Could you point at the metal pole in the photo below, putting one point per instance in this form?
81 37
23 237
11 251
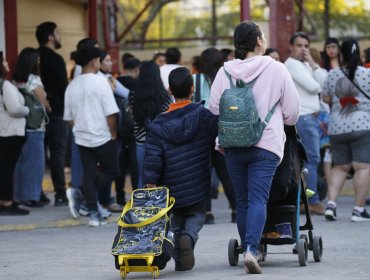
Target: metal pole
214 24
245 13
327 19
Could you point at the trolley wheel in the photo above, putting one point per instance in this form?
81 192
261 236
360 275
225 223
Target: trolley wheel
155 273
302 252
263 249
123 273
233 252
304 236
317 248
116 263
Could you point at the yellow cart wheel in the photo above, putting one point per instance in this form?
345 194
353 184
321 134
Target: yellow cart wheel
123 273
155 273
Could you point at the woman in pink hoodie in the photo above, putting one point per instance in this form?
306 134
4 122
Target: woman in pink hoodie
252 168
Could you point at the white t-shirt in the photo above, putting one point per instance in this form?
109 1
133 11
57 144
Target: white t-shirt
165 72
88 101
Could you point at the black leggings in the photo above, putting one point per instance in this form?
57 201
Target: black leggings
219 163
10 150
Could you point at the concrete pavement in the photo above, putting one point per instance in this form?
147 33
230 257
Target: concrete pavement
78 252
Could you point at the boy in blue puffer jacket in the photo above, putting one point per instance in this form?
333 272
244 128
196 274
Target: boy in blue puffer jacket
177 154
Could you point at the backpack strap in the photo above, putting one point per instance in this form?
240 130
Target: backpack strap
357 86
148 221
197 88
229 76
269 115
240 83
1 86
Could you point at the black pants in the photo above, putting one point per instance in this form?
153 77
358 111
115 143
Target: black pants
56 140
219 163
127 161
95 179
10 150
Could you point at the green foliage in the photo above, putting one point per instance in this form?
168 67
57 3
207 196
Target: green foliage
345 15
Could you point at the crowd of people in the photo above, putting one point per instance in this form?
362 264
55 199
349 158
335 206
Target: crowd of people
157 121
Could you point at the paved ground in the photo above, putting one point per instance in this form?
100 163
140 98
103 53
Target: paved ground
48 244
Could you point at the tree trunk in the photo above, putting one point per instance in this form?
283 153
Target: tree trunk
154 10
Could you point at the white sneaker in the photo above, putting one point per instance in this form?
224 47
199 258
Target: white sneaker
105 213
251 264
74 197
96 219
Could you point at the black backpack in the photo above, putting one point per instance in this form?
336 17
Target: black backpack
125 119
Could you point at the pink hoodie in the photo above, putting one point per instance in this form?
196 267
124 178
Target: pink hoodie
273 84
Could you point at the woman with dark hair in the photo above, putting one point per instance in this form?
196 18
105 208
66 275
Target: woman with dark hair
330 54
274 53
148 99
30 167
211 60
12 138
252 168
347 90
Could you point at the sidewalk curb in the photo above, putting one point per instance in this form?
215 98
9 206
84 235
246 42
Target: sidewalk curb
65 223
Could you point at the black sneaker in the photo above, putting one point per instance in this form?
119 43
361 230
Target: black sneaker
12 210
60 201
43 198
187 252
360 217
331 212
33 204
210 219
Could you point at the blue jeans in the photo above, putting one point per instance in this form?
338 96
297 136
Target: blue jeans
309 132
56 138
187 220
251 171
30 168
140 152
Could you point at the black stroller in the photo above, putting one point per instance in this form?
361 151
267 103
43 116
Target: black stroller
288 192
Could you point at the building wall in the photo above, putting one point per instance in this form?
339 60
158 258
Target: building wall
69 15
2 31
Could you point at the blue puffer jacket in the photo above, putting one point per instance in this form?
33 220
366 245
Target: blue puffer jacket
177 152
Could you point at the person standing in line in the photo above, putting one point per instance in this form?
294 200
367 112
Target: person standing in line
274 53
30 168
330 54
347 90
91 110
54 77
308 77
12 138
251 169
173 59
211 60
148 99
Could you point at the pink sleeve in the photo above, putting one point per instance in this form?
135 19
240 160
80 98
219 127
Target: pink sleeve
216 92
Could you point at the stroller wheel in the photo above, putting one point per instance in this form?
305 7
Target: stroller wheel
302 252
317 248
263 249
233 252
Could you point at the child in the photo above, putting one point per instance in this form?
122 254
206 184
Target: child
177 154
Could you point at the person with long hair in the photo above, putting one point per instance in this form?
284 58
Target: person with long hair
330 54
30 167
251 169
148 99
211 60
347 90
12 138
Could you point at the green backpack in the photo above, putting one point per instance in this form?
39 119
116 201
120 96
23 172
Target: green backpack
37 112
239 124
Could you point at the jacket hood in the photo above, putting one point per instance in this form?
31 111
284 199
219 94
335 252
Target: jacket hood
180 125
248 69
